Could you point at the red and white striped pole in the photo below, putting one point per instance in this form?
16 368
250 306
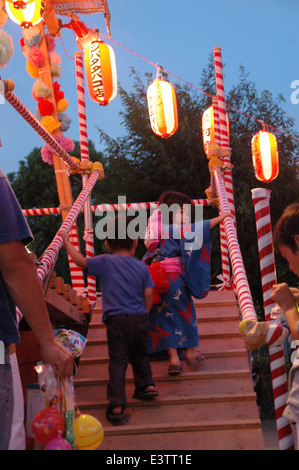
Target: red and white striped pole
51 253
88 233
110 207
228 181
261 199
239 273
223 241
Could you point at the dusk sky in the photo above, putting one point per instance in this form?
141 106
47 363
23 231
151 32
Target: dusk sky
261 35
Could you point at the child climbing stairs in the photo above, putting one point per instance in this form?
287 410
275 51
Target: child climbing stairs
213 407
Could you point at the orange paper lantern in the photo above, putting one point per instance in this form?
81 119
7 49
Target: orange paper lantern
162 108
101 72
208 128
26 13
265 156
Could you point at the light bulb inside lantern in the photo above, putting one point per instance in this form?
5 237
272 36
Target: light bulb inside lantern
266 152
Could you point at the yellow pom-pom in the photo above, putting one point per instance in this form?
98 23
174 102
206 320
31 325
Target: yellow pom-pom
62 105
76 170
32 69
213 163
99 167
50 124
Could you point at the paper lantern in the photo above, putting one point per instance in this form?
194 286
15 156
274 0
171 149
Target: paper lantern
26 13
208 128
88 432
101 72
162 108
265 156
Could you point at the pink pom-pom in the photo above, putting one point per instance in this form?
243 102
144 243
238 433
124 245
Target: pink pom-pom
66 142
47 154
50 42
35 56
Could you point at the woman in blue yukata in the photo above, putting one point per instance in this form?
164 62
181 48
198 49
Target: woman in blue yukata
178 255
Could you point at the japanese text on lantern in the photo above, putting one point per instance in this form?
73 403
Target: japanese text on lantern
96 70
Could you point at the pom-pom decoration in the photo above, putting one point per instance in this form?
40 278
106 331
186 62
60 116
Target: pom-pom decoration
66 143
88 432
32 70
35 56
65 122
47 154
32 37
6 48
62 105
47 425
45 107
50 124
59 95
265 156
26 13
40 90
50 42
162 108
101 72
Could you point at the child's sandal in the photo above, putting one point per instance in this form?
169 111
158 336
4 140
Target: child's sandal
117 419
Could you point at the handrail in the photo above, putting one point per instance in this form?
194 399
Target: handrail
108 207
50 255
239 273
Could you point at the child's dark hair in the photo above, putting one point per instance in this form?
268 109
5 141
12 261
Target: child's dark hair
117 234
287 227
173 197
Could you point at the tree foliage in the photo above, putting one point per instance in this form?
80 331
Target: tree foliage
153 165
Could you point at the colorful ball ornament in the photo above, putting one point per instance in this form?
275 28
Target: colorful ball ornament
47 425
88 432
58 443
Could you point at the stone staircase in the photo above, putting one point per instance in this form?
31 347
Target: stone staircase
211 408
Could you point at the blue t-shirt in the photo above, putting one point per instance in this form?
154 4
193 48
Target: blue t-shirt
13 227
123 281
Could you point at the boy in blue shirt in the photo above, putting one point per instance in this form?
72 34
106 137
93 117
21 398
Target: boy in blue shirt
127 291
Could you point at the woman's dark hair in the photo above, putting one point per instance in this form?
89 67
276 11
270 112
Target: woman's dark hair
287 227
168 198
